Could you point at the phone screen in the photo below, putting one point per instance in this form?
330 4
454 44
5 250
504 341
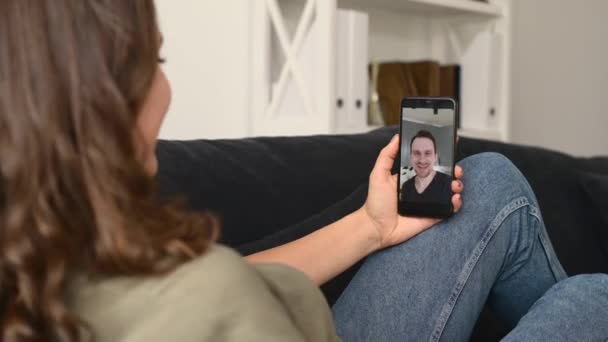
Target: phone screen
427 157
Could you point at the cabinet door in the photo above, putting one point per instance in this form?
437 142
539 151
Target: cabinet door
206 45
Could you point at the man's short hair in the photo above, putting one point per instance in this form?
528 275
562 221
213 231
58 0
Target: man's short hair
424 134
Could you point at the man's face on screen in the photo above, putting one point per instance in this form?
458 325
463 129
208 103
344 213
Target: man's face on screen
423 156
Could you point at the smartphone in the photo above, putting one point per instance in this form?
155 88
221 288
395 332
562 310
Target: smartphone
427 148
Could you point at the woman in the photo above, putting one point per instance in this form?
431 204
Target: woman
86 251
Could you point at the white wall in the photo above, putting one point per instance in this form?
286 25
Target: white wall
560 75
209 84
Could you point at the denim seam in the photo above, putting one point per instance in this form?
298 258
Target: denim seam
556 267
448 307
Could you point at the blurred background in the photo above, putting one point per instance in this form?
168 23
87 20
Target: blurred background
524 71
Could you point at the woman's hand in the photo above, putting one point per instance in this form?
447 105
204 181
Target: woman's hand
381 203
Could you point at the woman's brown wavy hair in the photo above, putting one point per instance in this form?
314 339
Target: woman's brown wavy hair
73 195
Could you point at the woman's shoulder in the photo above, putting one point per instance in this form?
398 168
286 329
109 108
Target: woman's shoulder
263 298
218 266
225 271
212 277
219 269
216 294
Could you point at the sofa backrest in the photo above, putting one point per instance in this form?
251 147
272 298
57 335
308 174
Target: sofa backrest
260 185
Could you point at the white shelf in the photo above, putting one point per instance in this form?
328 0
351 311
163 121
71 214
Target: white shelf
443 7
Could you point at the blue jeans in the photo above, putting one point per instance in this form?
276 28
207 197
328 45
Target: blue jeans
434 286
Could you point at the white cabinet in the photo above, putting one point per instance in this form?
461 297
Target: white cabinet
470 33
269 67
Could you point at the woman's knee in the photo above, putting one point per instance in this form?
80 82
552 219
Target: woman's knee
592 287
489 164
575 309
492 173
580 300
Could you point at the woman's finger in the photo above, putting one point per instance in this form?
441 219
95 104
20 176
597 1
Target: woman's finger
458 172
457 186
457 202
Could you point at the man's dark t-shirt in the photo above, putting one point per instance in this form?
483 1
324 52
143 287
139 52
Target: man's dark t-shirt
438 191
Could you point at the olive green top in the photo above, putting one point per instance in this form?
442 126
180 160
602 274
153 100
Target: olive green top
216 297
